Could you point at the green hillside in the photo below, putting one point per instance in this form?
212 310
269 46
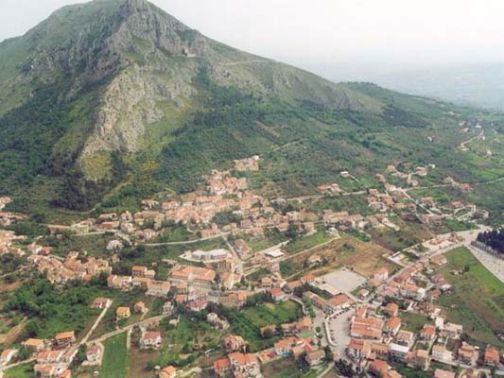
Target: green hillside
112 100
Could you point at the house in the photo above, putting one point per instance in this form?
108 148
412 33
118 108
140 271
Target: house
197 305
119 282
94 353
452 330
158 288
64 339
392 325
381 274
100 303
358 349
7 355
315 358
379 350
142 271
46 370
491 356
440 353
303 324
428 332
398 352
283 347
151 339
419 358
168 372
405 338
196 276
222 367
391 309
217 322
468 354
140 308
379 368
366 328
440 373
233 343
35 345
363 293
123 313
244 364
277 294
67 373
340 301
49 356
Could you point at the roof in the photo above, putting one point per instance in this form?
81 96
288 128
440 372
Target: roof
491 354
358 344
33 342
8 352
440 373
276 291
242 359
393 323
168 371
122 311
382 270
379 366
339 300
193 272
398 348
151 335
65 335
429 329
222 364
391 306
405 335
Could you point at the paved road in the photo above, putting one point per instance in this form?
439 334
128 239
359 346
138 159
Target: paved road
95 325
127 328
7 367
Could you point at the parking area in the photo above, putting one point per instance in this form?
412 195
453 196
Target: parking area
338 327
344 280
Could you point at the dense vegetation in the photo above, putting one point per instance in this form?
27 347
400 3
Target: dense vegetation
494 239
52 310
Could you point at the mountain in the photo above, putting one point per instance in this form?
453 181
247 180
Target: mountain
112 100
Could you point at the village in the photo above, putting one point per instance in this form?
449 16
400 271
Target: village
336 313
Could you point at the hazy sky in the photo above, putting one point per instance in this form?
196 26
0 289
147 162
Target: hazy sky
308 32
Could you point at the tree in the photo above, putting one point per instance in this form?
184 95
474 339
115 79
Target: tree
292 231
345 368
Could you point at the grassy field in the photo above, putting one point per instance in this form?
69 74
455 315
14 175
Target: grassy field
115 359
308 241
94 245
248 322
21 371
187 342
413 322
353 204
477 301
363 257
288 368
407 236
